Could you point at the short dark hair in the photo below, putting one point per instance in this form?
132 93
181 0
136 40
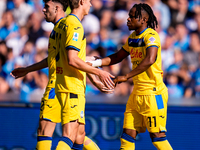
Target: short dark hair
64 3
73 4
152 21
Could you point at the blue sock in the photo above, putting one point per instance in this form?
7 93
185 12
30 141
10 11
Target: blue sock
67 141
77 146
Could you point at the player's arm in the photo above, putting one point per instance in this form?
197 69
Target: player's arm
151 54
114 58
96 82
110 60
78 63
22 71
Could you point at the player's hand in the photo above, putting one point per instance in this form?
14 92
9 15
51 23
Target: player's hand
103 88
120 79
89 63
90 58
106 78
19 72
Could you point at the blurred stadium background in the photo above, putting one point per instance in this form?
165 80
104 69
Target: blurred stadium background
24 41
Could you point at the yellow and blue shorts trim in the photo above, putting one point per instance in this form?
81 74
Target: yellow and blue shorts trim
146 112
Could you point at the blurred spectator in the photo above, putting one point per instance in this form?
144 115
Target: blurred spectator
162 33
28 53
97 8
182 37
175 89
2 8
165 14
10 5
120 20
37 93
185 79
3 57
9 65
194 6
106 42
180 13
34 26
91 25
178 61
8 26
191 56
28 85
3 48
17 43
106 18
167 52
14 84
119 28
4 87
2 62
120 5
43 41
21 12
36 4
197 21
196 79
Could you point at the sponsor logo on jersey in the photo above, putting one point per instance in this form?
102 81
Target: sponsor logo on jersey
136 54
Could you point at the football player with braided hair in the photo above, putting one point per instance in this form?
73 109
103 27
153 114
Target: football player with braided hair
146 107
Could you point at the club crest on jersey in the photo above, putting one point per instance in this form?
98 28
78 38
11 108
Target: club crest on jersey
152 39
75 37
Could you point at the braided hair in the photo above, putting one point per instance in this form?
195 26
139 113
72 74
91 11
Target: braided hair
152 21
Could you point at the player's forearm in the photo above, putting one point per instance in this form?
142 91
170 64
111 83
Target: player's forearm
114 58
79 64
38 66
143 66
92 78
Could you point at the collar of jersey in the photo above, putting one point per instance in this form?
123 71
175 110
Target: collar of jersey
141 32
75 16
58 21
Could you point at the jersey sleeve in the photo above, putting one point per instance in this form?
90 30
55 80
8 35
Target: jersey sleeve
74 37
152 40
126 45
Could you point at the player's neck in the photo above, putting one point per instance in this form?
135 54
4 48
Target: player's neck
140 30
58 16
78 13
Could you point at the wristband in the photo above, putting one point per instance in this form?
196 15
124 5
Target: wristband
96 63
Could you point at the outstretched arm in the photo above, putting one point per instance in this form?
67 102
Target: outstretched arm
114 58
78 63
110 60
22 71
143 66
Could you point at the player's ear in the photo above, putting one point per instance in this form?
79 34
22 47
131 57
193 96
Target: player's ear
82 2
144 20
56 8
